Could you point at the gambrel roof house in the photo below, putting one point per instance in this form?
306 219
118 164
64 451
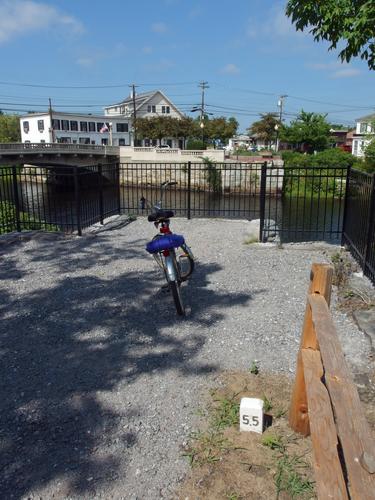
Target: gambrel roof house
363 134
147 104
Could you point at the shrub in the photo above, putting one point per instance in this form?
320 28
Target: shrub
195 144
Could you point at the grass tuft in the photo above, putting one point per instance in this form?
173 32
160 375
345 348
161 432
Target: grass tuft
289 478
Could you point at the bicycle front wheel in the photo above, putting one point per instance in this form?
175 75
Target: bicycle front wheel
176 292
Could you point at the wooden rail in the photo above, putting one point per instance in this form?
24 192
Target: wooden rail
325 403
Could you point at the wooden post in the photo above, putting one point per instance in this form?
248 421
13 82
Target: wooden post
320 283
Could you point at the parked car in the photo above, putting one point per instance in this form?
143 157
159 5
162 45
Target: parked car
163 146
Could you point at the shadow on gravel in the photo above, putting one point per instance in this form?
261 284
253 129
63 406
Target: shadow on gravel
64 350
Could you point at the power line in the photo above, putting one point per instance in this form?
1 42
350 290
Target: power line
15 84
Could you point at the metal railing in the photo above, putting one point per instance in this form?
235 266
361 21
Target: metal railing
294 204
359 223
20 147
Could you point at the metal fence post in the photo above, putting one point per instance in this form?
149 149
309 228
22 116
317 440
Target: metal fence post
16 198
346 199
262 201
77 198
189 192
118 180
370 225
101 211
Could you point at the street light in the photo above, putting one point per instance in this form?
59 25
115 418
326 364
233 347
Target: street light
277 137
202 127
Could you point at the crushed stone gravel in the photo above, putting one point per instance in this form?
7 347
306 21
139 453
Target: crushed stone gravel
100 379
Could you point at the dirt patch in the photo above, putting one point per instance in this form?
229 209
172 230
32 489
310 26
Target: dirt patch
227 464
232 465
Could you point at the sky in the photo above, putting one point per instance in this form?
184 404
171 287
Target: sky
84 54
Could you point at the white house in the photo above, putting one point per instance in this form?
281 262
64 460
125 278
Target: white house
147 105
364 133
75 129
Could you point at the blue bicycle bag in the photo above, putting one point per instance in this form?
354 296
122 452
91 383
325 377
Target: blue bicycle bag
165 242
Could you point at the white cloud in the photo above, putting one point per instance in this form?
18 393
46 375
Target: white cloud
345 73
147 50
335 69
86 62
275 24
19 17
230 69
159 27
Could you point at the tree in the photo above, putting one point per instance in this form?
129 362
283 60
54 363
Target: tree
9 128
308 129
221 129
346 22
265 127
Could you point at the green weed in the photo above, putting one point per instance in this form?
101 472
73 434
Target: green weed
288 478
254 368
206 448
267 406
225 413
273 441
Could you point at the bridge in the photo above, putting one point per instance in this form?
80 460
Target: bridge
50 154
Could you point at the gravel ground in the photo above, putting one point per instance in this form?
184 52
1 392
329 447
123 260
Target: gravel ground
99 377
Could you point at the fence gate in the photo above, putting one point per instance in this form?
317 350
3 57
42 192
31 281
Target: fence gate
311 206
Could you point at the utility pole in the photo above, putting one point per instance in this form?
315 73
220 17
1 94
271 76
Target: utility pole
203 85
280 103
134 114
50 119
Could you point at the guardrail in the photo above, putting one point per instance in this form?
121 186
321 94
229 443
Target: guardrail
325 403
56 146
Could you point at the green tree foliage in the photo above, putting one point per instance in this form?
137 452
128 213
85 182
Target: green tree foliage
160 127
9 128
309 129
369 163
301 175
265 127
347 23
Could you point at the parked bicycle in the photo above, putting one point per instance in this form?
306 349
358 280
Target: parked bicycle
170 250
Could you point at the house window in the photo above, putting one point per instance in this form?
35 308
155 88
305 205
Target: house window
151 109
99 126
65 124
84 140
121 142
56 124
104 142
92 127
165 109
83 126
40 125
73 125
363 128
122 127
26 127
65 140
355 148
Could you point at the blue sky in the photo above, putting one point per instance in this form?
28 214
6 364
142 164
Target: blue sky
247 51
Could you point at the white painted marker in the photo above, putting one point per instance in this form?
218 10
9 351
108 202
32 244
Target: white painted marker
251 415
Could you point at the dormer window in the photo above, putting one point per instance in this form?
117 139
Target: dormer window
26 127
362 128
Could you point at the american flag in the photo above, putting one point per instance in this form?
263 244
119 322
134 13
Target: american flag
104 128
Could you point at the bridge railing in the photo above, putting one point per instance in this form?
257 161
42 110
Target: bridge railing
19 147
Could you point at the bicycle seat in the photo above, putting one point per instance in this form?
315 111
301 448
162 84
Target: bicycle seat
160 215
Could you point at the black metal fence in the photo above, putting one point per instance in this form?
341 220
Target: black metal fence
312 205
57 198
359 222
294 204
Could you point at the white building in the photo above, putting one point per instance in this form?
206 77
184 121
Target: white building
147 105
364 133
75 129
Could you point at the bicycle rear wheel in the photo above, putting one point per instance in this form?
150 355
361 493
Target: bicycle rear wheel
176 292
